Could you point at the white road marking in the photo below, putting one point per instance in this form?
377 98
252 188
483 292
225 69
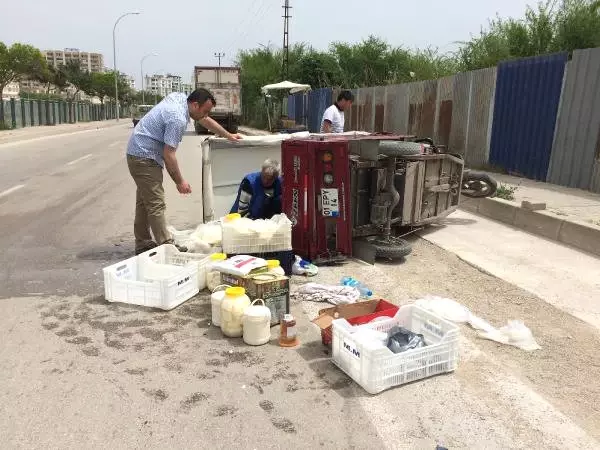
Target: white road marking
60 135
11 190
75 161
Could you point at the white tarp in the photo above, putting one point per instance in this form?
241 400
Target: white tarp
286 85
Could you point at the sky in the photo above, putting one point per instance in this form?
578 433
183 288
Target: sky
185 33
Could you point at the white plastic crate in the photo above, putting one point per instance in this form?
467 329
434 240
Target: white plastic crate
245 236
168 254
125 282
379 369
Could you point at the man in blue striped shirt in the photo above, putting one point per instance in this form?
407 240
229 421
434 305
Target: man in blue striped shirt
152 147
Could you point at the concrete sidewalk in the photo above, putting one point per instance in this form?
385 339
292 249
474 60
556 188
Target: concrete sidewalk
571 216
37 132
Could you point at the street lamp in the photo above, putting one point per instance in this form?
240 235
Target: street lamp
142 72
134 13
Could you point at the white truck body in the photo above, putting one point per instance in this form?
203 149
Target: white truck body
224 84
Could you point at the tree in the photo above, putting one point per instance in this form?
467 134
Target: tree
18 61
80 80
551 27
102 85
319 69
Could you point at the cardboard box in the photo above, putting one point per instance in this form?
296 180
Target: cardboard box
355 313
273 289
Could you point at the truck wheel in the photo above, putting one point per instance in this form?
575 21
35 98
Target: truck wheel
233 128
200 129
399 148
390 248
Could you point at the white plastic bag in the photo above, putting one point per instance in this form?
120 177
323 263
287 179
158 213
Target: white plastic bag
240 265
515 333
301 267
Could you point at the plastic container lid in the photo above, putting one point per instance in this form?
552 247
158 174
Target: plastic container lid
218 257
232 216
272 263
235 291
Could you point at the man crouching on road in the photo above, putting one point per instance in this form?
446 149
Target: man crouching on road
151 147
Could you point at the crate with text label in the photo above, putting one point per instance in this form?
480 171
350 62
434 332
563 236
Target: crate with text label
376 368
159 278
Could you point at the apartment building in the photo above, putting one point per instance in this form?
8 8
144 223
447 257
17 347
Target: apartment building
163 85
130 81
11 90
92 62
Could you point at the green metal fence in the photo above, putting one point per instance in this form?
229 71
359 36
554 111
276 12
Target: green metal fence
31 113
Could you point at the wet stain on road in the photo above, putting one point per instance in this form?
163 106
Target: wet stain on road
91 351
266 406
225 410
156 394
283 424
191 401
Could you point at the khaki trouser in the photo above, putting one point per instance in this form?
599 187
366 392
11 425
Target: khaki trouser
149 202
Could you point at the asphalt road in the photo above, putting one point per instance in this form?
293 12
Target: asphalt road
77 372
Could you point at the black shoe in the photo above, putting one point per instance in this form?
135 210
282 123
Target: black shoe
181 248
150 246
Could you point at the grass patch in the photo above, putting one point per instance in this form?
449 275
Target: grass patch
506 192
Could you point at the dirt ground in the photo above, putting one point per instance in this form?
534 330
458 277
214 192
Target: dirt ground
81 373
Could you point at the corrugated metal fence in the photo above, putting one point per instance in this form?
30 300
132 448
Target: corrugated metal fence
575 160
29 113
527 96
529 116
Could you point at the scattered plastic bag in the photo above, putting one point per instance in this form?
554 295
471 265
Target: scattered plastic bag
446 308
515 333
209 233
401 340
190 239
302 267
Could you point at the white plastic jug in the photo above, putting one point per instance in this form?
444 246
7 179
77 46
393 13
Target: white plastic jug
213 276
216 298
257 323
232 309
274 267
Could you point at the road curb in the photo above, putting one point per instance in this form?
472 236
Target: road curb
577 234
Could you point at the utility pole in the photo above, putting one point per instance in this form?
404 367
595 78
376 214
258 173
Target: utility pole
286 39
219 56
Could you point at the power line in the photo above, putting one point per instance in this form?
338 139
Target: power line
259 15
247 18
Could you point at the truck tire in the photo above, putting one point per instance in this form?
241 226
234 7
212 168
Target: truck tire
200 129
233 128
399 148
390 248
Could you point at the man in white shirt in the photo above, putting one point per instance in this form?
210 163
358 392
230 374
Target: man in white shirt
333 119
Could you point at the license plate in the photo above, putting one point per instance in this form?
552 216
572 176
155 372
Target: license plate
329 200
